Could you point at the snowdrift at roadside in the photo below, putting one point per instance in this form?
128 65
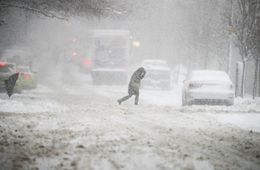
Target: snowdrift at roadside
29 106
30 102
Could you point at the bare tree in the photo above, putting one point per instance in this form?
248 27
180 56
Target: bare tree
62 9
207 33
245 26
256 54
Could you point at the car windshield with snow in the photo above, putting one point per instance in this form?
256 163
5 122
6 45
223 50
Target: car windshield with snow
158 75
208 87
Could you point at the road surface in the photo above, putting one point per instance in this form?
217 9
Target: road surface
82 127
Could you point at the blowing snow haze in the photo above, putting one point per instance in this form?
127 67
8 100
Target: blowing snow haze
191 33
65 64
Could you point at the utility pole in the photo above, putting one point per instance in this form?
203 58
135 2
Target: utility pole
231 30
258 61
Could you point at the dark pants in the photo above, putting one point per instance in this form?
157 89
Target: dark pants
130 94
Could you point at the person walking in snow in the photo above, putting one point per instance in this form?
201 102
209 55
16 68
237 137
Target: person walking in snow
134 85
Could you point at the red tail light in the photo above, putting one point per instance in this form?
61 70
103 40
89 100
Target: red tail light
74 54
3 64
27 76
87 62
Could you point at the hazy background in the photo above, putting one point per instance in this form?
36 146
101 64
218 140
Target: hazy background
193 33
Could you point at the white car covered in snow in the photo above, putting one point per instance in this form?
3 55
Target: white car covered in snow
208 87
158 75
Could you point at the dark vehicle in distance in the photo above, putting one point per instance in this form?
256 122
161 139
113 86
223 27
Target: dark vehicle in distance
109 58
158 75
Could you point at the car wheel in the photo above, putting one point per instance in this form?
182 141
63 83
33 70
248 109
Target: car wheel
229 102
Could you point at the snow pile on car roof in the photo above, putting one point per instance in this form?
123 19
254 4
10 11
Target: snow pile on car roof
211 75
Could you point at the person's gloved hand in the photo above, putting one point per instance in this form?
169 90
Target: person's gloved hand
142 75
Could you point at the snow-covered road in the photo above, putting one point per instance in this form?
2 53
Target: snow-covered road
83 127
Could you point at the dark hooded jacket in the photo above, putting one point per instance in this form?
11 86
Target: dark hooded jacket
135 82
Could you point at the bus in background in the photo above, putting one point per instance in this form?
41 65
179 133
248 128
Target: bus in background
109 56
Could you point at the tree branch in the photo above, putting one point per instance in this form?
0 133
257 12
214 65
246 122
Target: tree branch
44 13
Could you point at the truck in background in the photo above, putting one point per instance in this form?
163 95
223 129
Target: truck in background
110 54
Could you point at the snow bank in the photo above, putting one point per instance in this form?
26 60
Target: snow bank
244 121
29 106
250 108
162 98
34 101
